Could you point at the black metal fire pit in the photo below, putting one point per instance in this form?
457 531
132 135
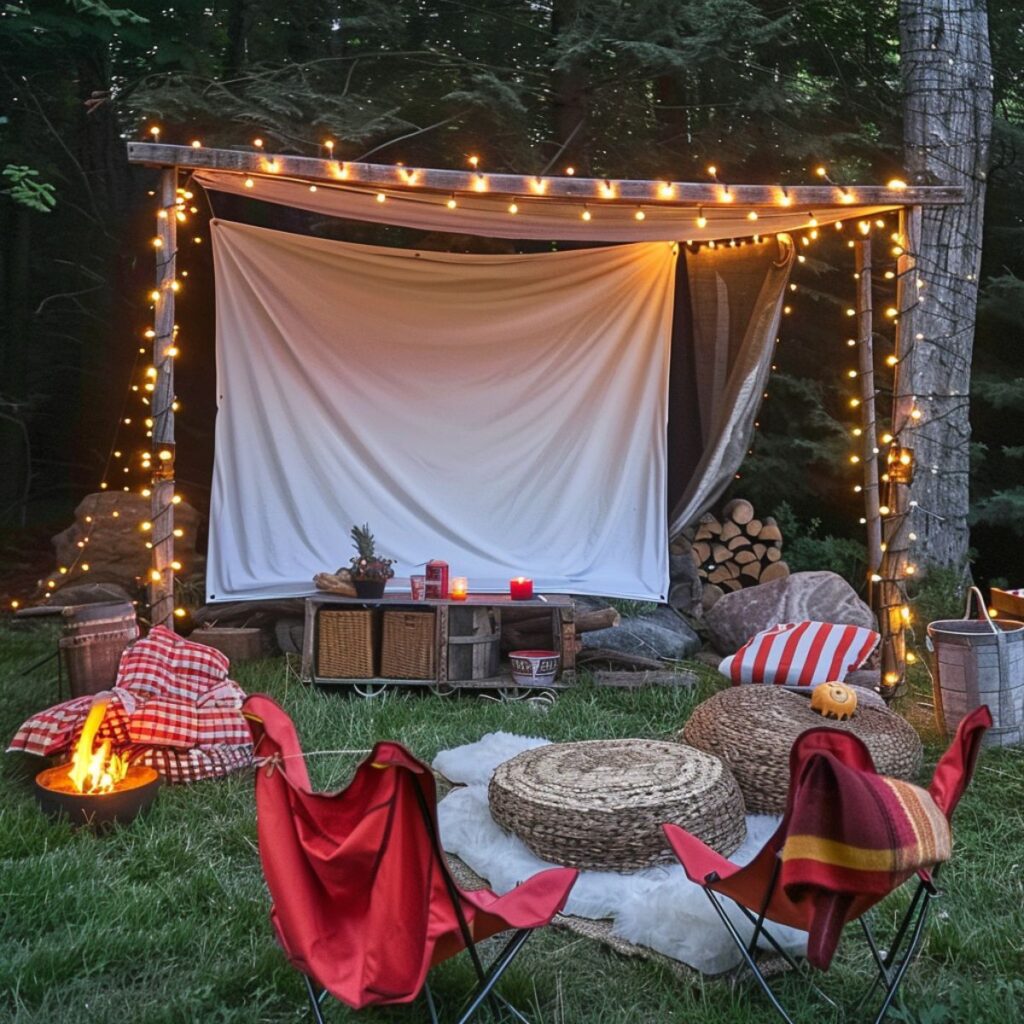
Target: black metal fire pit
133 794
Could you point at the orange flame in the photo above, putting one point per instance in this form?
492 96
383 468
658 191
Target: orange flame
96 771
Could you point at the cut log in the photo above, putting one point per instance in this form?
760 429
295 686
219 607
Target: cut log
760 550
719 553
745 557
739 511
775 571
753 528
586 621
729 530
738 543
701 551
770 530
773 554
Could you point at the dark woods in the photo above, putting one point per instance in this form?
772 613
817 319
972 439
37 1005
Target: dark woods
647 88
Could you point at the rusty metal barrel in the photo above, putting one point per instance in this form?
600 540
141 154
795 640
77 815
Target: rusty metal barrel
95 636
978 661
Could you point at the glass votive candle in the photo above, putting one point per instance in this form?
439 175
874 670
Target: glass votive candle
418 587
458 588
520 589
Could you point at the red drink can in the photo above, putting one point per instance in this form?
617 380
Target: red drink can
437 579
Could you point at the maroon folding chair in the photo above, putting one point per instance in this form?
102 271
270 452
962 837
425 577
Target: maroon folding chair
363 901
761 894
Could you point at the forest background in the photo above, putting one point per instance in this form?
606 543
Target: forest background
765 91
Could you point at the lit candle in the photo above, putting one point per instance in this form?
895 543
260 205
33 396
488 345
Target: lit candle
458 588
521 588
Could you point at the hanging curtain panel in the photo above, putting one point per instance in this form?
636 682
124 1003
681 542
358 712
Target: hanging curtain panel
736 297
504 413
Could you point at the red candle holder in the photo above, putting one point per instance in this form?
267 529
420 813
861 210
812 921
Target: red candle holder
520 589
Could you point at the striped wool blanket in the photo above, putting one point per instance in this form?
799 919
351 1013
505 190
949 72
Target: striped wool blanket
853 833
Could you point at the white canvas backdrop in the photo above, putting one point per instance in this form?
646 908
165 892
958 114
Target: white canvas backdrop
504 413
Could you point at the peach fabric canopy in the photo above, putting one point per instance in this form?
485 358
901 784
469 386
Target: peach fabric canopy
537 216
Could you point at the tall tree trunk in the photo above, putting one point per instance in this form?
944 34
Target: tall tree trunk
947 125
568 93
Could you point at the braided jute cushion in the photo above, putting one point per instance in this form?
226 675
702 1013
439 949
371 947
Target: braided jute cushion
752 728
600 804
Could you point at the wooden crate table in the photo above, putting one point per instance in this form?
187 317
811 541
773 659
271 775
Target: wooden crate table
462 635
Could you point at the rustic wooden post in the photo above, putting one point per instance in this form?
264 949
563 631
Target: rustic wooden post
161 579
898 525
869 425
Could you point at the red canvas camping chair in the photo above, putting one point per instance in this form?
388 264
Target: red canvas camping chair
363 902
805 877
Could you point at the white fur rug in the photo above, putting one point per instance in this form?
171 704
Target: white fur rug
657 907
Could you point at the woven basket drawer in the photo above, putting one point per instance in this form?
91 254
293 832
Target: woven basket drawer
345 644
407 648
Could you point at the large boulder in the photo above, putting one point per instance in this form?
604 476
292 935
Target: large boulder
818 596
107 537
661 635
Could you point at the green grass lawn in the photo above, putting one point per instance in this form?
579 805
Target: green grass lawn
166 920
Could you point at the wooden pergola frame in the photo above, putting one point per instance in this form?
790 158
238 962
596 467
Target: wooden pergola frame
888 536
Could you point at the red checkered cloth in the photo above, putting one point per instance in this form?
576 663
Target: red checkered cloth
193 765
173 707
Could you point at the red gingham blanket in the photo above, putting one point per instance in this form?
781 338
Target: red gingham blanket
173 708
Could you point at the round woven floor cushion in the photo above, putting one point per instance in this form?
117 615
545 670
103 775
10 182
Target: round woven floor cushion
752 728
600 804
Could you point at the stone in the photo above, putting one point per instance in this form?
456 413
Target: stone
686 592
107 537
661 634
818 596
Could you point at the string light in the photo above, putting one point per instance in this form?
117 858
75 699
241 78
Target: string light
639 215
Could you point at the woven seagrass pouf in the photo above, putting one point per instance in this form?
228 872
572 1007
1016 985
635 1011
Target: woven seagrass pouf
600 804
752 729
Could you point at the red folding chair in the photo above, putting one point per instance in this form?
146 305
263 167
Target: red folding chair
363 901
759 889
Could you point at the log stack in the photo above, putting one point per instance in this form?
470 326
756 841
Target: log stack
737 550
531 629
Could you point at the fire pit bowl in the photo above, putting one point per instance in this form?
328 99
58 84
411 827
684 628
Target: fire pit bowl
134 793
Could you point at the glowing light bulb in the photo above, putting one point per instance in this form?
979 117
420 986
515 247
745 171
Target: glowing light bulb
474 161
155 575
639 215
179 613
896 184
785 199
752 215
258 143
513 207
451 204
155 132
585 215
702 221
381 197
570 171
666 190
248 183
821 172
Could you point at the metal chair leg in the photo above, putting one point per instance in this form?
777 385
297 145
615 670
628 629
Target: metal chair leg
314 999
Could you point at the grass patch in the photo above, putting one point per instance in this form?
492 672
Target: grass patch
165 922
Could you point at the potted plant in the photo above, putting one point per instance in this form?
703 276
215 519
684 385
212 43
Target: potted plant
370 572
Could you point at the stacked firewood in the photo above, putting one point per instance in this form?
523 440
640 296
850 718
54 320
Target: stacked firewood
527 629
739 550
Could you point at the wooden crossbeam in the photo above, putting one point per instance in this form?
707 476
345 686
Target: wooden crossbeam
562 187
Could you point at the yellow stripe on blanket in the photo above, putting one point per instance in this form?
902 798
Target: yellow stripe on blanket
844 855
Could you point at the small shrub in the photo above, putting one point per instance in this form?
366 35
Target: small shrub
805 549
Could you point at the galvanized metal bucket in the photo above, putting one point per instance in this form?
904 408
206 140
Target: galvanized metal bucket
975 662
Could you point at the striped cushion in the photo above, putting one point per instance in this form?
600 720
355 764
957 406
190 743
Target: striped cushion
800 654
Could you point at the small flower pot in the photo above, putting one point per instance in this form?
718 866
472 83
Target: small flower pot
369 588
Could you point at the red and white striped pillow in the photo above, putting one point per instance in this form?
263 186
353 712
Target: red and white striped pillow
800 654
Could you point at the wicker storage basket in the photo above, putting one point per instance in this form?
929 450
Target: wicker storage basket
346 642
752 729
600 804
978 661
407 645
238 643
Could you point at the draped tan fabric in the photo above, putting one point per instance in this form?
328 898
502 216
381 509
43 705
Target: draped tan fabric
736 298
504 413
537 218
